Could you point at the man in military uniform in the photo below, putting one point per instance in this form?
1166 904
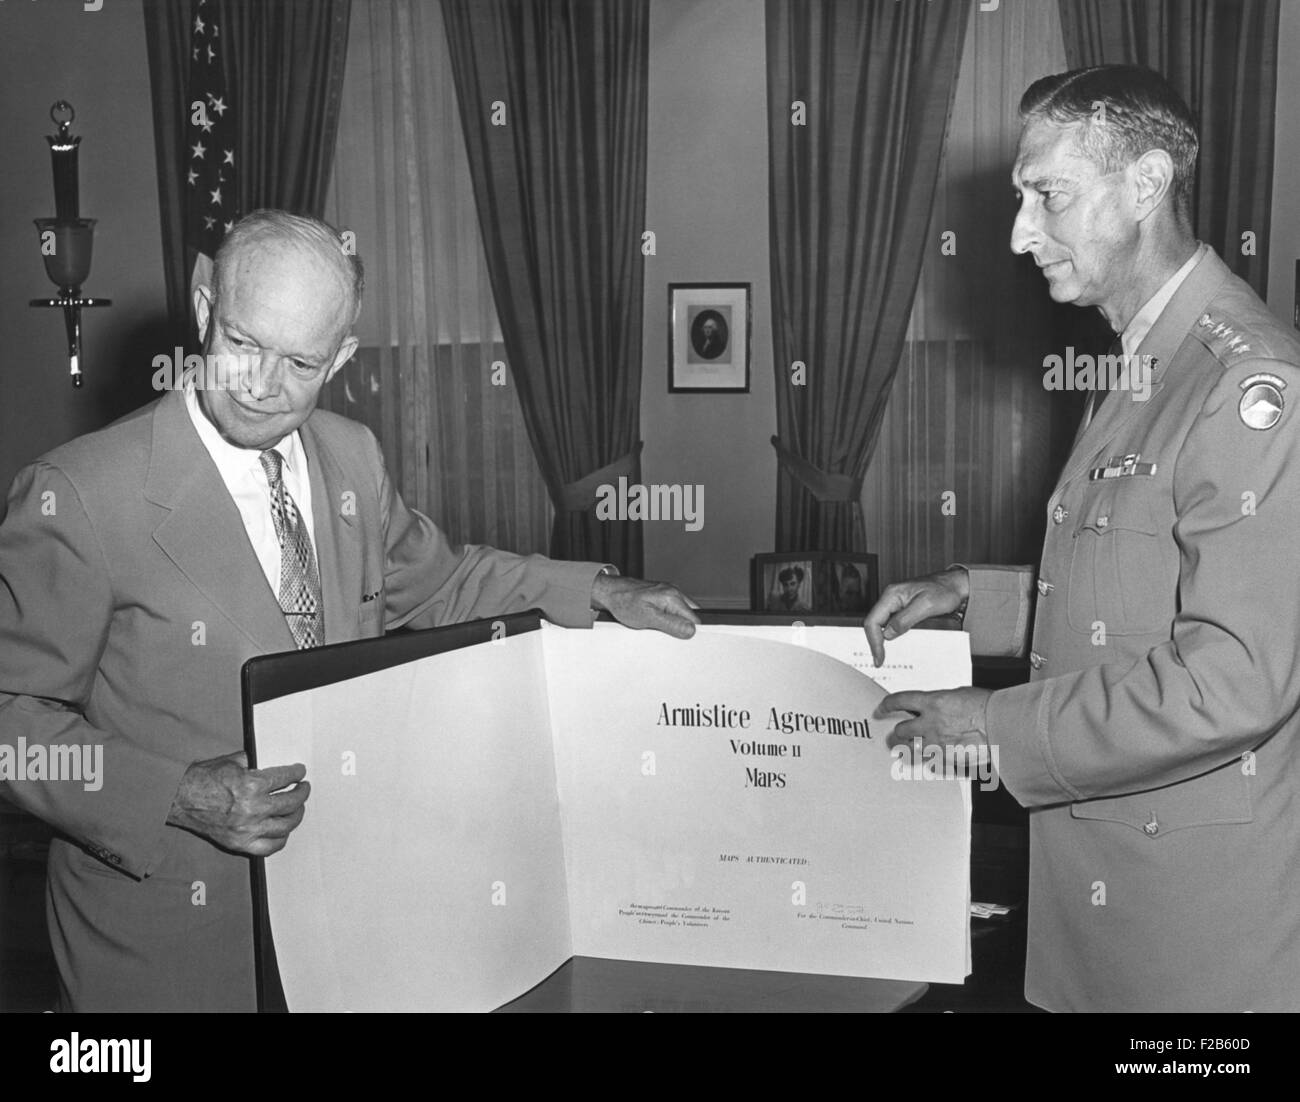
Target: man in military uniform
1156 742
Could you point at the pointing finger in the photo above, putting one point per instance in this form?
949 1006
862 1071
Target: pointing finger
910 700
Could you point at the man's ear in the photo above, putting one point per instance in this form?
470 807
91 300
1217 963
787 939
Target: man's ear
202 309
1154 177
342 356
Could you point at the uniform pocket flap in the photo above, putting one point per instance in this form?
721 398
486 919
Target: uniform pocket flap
1115 510
1212 799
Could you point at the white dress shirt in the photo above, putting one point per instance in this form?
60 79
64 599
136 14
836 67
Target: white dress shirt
241 471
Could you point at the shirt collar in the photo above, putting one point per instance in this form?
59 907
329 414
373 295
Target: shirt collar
227 456
1137 329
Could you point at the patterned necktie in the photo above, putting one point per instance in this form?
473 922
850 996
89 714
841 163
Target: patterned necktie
300 596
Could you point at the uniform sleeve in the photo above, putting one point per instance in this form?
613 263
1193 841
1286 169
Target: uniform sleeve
429 581
56 608
998 610
1229 675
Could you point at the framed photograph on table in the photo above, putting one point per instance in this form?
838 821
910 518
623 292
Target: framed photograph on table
850 584
823 583
708 337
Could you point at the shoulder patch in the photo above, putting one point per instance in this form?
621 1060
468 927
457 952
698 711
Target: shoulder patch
1261 403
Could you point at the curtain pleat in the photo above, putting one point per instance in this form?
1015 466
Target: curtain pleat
167 42
852 182
287 62
971 443
1221 57
430 377
559 181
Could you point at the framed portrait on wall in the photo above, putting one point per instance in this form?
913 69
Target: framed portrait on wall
824 583
708 337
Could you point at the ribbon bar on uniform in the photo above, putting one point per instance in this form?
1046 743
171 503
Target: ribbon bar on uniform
1122 466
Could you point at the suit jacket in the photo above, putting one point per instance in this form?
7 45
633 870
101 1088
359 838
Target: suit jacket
1156 743
130 597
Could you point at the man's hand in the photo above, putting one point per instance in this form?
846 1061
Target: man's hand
641 604
239 808
903 605
954 717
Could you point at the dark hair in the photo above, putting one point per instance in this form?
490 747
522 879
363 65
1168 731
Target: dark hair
1125 110
790 572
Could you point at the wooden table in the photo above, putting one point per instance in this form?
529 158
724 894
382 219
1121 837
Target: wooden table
592 985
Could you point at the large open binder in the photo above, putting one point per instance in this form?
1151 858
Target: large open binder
298 676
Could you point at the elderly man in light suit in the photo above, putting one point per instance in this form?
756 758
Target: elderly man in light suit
142 565
1157 744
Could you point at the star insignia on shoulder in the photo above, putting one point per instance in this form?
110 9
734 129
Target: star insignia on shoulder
1222 338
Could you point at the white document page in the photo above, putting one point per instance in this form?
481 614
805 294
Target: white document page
727 802
925 660
428 871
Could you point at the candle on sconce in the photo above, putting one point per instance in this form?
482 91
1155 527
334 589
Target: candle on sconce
63 155
67 240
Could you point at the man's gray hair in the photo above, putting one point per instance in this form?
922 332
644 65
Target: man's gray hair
1125 111
279 225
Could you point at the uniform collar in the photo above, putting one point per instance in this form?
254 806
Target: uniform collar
1137 329
1172 326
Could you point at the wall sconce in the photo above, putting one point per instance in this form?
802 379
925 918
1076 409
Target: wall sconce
67 239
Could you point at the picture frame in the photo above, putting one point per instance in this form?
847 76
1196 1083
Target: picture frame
709 331
819 583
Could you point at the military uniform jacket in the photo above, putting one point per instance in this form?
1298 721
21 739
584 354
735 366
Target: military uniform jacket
130 598
1156 743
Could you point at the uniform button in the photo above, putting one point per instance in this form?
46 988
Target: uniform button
1044 588
1103 520
1059 514
1153 827
1037 660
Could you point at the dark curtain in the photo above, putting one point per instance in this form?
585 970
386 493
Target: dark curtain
560 189
852 185
1221 57
167 41
284 70
287 79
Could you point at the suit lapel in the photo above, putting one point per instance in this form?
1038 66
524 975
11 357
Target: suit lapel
203 533
1162 343
338 542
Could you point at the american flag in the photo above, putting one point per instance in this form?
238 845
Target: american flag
210 156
